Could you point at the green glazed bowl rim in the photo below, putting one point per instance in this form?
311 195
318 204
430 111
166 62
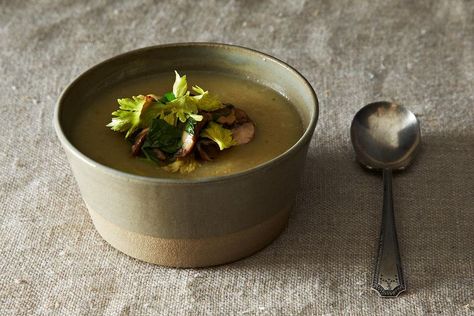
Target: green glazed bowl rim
306 137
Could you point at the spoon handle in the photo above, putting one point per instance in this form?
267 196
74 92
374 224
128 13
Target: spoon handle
388 277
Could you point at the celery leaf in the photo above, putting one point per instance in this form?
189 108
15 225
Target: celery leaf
180 85
222 136
133 113
182 165
206 101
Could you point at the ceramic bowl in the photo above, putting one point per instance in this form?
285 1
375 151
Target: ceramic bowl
169 221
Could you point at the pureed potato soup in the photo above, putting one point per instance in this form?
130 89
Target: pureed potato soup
227 143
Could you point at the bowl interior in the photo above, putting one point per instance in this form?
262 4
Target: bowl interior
236 61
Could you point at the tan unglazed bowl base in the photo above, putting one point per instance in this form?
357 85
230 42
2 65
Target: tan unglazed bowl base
191 253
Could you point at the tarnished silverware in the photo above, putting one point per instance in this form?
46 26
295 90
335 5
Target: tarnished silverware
385 137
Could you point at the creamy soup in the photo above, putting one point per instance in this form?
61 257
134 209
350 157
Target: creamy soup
278 125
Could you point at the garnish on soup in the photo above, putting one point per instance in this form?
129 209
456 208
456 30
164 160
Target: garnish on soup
181 128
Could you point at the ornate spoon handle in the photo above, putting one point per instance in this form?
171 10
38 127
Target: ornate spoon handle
388 277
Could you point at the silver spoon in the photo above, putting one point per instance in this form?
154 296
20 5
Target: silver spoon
386 136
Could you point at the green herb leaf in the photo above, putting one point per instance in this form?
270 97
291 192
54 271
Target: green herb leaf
189 126
150 113
163 136
206 101
180 108
133 113
222 136
169 96
196 117
180 85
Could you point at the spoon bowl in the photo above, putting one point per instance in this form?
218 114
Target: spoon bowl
385 135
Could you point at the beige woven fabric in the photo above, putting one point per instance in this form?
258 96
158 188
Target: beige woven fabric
419 53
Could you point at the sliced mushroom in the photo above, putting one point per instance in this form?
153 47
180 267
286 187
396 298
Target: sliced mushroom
207 149
148 100
139 140
189 140
228 119
240 116
225 116
159 154
154 96
244 133
188 144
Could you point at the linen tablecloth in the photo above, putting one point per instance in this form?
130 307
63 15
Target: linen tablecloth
417 53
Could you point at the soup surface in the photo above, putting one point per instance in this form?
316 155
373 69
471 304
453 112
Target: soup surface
278 125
